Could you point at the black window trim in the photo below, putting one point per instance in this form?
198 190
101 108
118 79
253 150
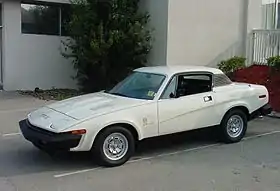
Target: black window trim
188 74
44 3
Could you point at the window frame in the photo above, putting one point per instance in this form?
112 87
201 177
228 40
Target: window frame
167 85
62 6
210 74
51 4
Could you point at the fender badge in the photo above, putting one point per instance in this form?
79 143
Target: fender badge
145 121
51 126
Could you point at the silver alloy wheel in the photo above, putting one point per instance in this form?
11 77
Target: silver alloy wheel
115 146
235 126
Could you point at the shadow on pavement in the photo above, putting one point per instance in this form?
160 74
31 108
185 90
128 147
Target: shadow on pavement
18 157
21 158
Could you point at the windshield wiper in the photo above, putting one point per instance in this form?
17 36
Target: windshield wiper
116 93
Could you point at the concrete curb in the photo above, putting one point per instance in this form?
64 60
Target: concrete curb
274 115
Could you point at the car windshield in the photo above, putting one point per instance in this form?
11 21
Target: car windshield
139 85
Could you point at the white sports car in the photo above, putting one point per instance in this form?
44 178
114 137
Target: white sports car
152 101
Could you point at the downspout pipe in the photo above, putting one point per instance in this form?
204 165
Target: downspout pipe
244 26
1 49
276 14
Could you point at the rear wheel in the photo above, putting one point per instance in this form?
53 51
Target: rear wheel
114 146
234 126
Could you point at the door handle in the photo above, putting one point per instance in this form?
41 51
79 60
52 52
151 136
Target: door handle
207 98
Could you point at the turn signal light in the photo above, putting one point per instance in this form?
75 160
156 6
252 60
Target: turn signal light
78 132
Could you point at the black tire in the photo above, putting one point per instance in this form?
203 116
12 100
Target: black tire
225 135
99 154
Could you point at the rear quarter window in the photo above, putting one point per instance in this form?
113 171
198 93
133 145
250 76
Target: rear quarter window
221 80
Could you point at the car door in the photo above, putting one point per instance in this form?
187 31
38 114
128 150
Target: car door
186 103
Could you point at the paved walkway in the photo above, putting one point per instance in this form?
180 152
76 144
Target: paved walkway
13 107
275 115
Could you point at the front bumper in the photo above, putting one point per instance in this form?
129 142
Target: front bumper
48 139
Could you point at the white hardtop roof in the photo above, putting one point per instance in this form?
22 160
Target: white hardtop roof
171 70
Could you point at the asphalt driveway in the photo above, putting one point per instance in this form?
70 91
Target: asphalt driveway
188 161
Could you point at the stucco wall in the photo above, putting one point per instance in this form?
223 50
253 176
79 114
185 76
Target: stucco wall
254 15
200 31
31 60
185 32
268 1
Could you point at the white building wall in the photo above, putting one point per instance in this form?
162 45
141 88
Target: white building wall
254 15
268 1
31 61
185 32
201 31
198 31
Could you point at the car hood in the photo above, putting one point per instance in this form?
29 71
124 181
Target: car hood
93 105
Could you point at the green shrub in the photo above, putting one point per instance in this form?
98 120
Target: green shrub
109 38
232 64
274 63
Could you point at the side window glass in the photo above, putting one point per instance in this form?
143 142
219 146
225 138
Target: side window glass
193 84
171 89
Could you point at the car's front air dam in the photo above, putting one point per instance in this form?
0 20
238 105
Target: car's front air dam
44 138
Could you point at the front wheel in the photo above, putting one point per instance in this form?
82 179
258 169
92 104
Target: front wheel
114 146
233 126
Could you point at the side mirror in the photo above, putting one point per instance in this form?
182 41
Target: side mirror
171 95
